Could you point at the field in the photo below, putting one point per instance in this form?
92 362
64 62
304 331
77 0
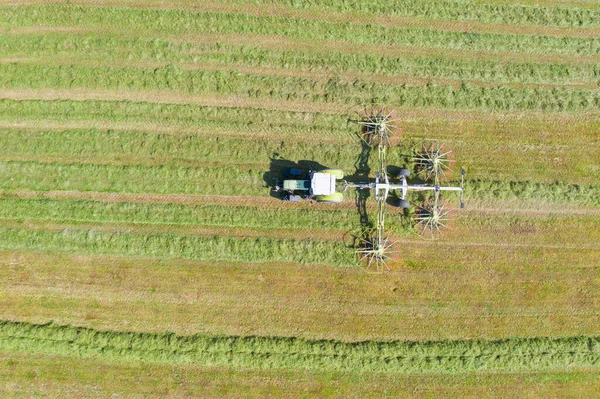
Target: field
143 254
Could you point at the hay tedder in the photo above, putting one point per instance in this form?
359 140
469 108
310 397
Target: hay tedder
431 163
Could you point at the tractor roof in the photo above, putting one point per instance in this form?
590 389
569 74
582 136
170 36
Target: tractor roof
295 185
322 184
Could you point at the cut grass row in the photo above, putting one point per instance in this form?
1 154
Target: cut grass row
92 241
166 179
457 10
358 92
116 49
543 192
516 354
567 230
288 88
232 180
27 375
406 16
177 21
139 146
212 118
208 215
231 143
301 125
547 128
472 228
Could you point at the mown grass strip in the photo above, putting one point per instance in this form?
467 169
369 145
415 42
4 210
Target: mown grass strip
146 147
115 49
212 117
473 126
510 355
117 144
545 192
232 180
457 10
176 21
333 90
165 179
485 153
105 106
53 374
207 215
95 242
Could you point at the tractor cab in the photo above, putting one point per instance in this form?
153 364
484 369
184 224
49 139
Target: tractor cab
296 185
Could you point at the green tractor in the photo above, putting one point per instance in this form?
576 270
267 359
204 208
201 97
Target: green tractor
318 185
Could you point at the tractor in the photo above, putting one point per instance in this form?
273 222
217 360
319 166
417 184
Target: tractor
318 185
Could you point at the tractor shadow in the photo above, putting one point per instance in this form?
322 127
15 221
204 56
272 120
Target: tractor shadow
278 164
361 175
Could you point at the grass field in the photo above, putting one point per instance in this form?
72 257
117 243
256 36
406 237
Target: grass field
142 254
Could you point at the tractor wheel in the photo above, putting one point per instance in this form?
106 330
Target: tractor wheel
334 198
338 173
402 203
396 172
403 172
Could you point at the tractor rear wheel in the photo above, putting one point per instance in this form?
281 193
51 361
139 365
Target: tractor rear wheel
396 172
402 203
403 172
338 173
334 198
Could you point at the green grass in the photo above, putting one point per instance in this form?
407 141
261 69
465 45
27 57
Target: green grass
115 49
486 148
40 375
174 179
543 192
178 21
149 147
203 215
163 179
292 88
510 355
522 127
97 242
210 118
456 10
